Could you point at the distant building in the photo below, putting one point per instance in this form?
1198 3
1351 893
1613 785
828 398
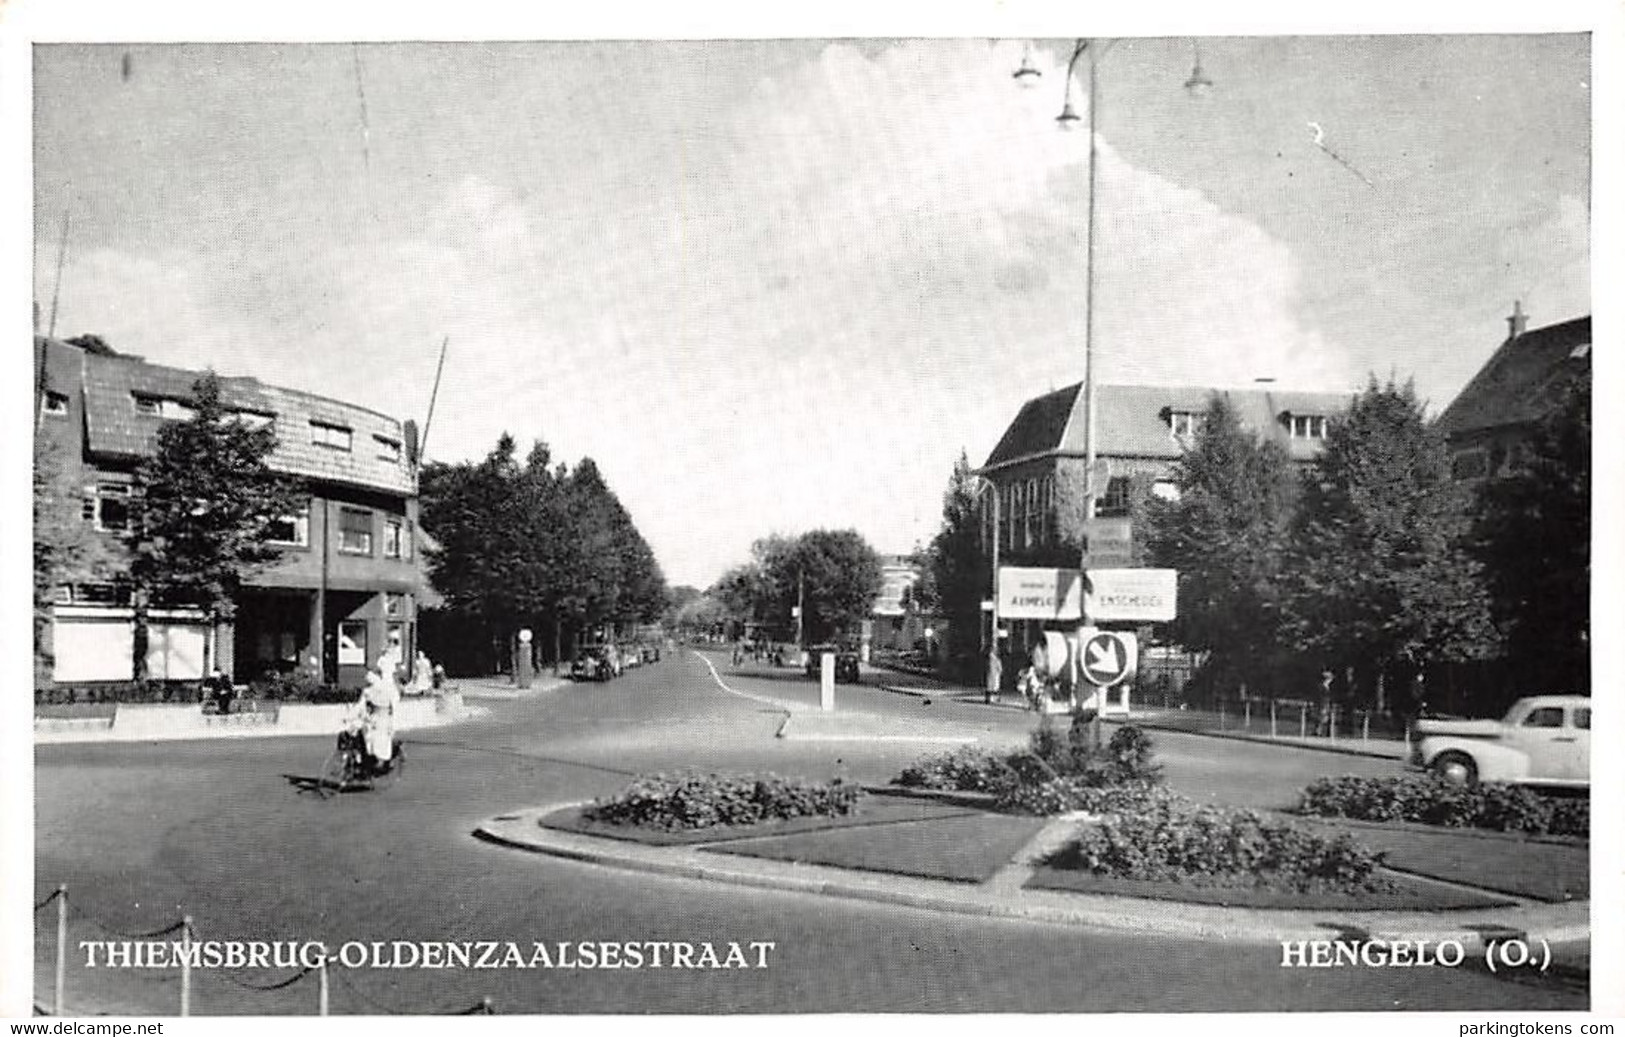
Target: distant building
1140 433
1487 425
348 584
893 623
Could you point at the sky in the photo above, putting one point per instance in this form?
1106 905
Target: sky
779 285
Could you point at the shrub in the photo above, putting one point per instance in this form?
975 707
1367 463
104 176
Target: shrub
1429 800
1059 795
1206 845
966 769
693 800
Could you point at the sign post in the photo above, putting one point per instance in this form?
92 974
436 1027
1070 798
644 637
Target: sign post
826 681
522 669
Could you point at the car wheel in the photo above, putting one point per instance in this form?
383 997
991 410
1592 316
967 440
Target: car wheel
1456 768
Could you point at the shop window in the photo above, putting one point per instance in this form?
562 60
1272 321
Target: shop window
355 531
353 643
334 437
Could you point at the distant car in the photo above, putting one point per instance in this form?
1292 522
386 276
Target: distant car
650 652
1542 740
846 663
595 663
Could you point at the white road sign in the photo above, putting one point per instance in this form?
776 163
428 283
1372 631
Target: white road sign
1131 595
1039 593
1108 657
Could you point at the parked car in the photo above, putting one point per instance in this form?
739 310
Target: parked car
846 662
595 663
1542 740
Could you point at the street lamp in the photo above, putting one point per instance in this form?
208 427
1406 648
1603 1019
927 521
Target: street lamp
992 490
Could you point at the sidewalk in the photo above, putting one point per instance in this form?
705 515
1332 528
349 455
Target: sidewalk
878 857
187 721
1152 718
500 687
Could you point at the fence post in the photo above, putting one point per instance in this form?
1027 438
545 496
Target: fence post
1303 720
186 965
61 949
1272 718
321 986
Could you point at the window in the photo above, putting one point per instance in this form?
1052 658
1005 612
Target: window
1545 716
253 419
355 531
1185 424
388 449
353 643
1029 523
108 507
392 604
55 402
293 530
1308 426
158 406
1046 503
394 539
1582 718
334 437
1468 465
1115 501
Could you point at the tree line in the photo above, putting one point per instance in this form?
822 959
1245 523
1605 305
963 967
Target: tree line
533 544
1370 565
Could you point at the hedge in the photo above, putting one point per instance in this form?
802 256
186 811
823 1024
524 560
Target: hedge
1429 800
1173 842
694 800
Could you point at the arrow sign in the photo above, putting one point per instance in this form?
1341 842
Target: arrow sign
1105 660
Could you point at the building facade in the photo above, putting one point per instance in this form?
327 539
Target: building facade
347 585
1487 425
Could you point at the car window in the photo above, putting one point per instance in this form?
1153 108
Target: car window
1582 718
1545 716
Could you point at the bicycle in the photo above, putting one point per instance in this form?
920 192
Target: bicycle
351 768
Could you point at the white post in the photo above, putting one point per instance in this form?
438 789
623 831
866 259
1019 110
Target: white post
1365 727
826 681
321 987
1247 715
1272 718
1303 720
186 966
61 949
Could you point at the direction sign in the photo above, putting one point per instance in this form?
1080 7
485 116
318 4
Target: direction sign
1109 543
1131 595
1107 658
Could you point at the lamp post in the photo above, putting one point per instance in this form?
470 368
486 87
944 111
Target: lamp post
992 490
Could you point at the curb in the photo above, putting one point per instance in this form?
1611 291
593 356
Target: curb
1556 925
785 733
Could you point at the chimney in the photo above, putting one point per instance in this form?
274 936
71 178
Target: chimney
1518 321
409 429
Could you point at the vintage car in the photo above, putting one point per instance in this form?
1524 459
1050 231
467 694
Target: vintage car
594 663
846 662
1542 740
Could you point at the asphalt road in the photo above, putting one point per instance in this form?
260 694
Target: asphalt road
143 833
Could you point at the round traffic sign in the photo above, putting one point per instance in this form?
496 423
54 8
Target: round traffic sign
1105 659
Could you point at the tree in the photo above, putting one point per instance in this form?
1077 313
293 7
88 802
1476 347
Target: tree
835 574
1226 536
960 567
1534 540
1380 583
207 506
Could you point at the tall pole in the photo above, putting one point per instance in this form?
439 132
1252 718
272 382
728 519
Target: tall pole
423 444
56 289
1090 491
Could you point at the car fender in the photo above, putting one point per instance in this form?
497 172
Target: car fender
1495 761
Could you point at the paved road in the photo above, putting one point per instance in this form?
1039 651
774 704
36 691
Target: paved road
143 832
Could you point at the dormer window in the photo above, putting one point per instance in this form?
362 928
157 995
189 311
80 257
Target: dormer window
388 449
253 419
334 437
55 402
1185 425
1307 426
159 407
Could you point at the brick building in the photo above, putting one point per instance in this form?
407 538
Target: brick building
1488 423
349 580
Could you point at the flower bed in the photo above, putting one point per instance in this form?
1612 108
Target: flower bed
694 801
1217 846
1432 801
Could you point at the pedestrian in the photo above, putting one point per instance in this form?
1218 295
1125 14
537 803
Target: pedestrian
422 674
378 701
220 688
995 676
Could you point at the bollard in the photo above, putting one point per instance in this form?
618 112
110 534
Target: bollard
1247 715
1303 720
1365 727
321 986
826 681
61 949
186 966
1272 718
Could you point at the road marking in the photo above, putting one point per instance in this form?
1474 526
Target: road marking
775 703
